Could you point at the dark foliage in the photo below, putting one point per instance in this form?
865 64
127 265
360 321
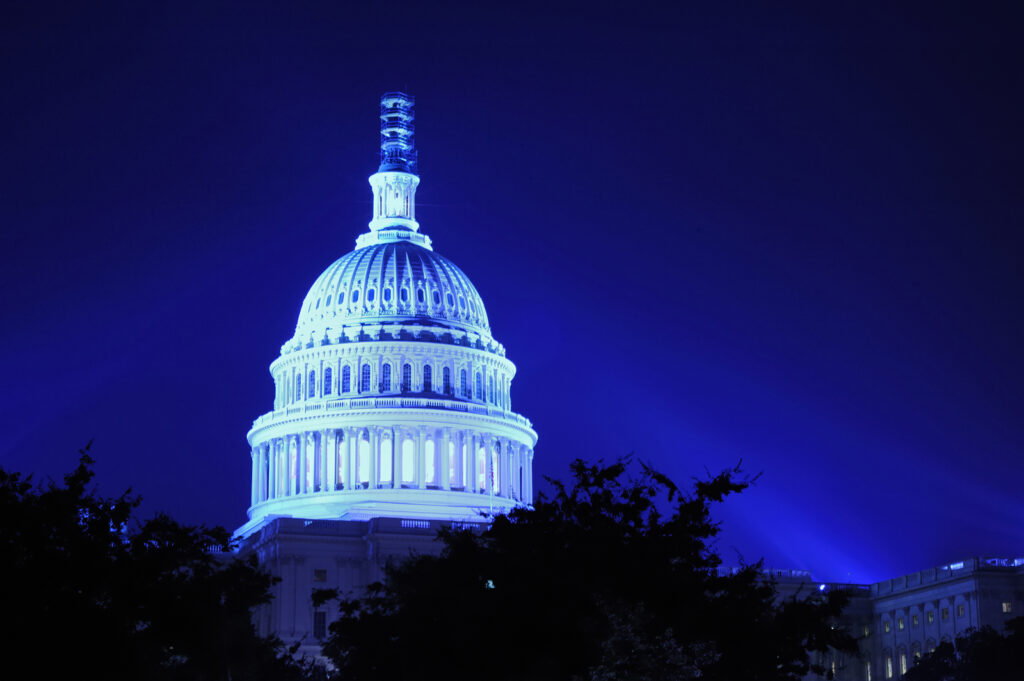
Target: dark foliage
88 591
979 655
596 583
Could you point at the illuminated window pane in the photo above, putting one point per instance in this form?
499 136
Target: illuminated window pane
888 667
903 663
899 624
887 626
960 610
931 616
914 620
1007 606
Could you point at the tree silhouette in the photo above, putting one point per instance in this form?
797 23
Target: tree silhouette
614 577
979 655
90 592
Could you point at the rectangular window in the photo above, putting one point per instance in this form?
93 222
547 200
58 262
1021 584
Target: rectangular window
867 671
903 663
888 626
945 613
888 667
1007 606
931 616
914 620
960 610
319 575
867 631
899 624
319 625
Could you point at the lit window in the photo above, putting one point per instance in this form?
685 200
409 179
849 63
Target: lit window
370 295
364 379
888 667
406 377
311 387
960 610
899 624
385 378
428 378
446 377
867 671
320 576
1007 606
346 379
328 380
945 613
867 631
931 616
914 620
887 626
903 663
320 625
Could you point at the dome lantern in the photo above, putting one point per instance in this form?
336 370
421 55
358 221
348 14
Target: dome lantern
394 184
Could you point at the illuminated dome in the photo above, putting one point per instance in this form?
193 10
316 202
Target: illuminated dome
390 282
392 399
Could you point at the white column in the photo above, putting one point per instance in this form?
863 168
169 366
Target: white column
421 464
374 436
252 483
332 460
444 474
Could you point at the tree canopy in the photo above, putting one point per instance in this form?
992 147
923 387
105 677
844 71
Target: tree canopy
613 577
90 591
978 655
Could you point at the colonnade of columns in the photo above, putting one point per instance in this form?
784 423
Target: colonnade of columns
381 457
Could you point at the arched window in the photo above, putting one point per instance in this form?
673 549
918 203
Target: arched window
451 301
311 387
479 386
446 377
437 298
346 379
385 378
328 381
463 385
355 296
298 387
370 295
420 297
404 295
387 295
428 378
406 378
364 379
490 389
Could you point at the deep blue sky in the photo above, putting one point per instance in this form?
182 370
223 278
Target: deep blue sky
703 234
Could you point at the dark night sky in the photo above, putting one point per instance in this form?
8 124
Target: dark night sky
703 234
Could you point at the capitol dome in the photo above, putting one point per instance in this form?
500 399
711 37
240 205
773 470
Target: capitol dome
393 283
392 399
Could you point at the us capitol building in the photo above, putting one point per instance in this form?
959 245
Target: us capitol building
392 416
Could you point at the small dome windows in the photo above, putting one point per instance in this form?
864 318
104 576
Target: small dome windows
420 296
328 301
387 295
450 299
370 295
437 298
317 304
405 295
341 298
355 296
462 302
